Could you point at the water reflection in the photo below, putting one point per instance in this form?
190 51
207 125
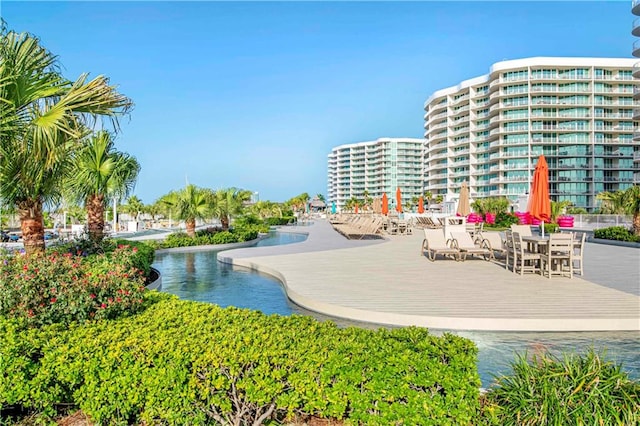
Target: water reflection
198 276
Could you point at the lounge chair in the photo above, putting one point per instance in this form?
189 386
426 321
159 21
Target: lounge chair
494 242
463 242
434 244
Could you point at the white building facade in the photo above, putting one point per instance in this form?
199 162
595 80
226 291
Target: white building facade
489 131
376 167
635 9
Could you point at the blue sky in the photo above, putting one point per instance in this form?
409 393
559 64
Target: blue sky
255 94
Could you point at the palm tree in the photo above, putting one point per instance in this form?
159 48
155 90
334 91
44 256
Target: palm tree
190 204
264 209
612 202
632 206
321 197
367 200
154 210
558 208
623 202
299 202
42 121
229 203
133 207
100 173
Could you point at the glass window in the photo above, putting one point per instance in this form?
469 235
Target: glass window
515 75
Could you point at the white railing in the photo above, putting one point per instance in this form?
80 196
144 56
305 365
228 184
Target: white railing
596 221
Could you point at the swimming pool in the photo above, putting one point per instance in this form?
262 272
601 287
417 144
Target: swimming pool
199 276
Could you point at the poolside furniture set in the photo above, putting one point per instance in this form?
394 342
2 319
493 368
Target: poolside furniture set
557 254
366 226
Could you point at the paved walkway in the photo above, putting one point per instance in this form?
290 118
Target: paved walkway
389 282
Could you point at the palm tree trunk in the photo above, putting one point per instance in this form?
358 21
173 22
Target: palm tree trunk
95 216
191 227
224 221
32 226
636 224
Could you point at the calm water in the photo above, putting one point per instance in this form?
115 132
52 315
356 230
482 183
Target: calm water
199 276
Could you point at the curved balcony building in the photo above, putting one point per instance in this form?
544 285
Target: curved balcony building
635 30
489 130
376 167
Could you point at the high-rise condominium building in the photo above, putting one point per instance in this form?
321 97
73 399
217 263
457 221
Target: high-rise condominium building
489 131
376 167
635 9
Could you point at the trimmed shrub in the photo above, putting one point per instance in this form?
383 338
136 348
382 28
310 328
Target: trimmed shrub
550 228
62 288
574 390
193 363
236 235
619 233
505 220
278 221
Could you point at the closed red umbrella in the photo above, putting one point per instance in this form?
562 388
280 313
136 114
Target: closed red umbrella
398 200
421 205
385 204
539 201
356 208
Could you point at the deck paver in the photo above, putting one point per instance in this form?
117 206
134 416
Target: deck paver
389 282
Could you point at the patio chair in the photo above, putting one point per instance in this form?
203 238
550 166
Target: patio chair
434 244
578 250
510 255
558 259
523 230
524 260
463 242
494 242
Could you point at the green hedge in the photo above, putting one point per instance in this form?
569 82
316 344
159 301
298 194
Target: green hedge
618 233
181 239
194 363
278 221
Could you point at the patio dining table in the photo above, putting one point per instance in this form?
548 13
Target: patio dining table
539 244
536 243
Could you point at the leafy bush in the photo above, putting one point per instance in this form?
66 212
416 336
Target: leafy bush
619 233
575 390
236 235
550 228
505 220
180 239
251 220
225 237
278 221
141 258
65 288
576 210
192 363
246 234
208 231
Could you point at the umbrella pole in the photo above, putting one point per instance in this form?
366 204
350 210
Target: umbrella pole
542 227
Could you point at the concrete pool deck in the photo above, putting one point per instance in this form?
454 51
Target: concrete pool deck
389 282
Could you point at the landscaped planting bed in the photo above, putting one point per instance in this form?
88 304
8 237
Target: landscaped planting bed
192 363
